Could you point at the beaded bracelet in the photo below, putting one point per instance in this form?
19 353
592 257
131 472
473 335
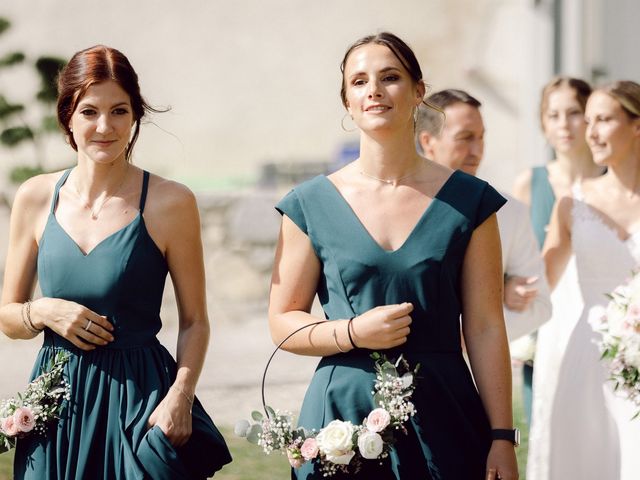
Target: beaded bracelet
26 318
349 332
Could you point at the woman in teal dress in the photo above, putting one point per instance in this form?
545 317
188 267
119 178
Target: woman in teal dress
101 238
403 247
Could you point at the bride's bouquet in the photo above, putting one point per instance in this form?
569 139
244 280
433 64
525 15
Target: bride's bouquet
33 409
619 325
341 446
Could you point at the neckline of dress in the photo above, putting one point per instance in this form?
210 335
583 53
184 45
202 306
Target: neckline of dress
364 229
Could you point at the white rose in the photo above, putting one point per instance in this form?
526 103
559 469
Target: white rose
370 445
632 351
336 439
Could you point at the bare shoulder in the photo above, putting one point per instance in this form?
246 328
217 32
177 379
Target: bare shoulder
522 186
36 192
168 196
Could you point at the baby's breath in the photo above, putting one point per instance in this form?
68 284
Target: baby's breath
43 398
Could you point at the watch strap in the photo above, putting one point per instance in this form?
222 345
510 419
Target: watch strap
511 435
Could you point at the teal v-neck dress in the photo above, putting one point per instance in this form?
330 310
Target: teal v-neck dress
449 437
103 432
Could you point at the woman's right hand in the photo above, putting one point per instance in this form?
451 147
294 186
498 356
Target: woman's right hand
382 327
81 326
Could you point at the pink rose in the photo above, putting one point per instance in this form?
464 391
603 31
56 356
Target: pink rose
309 449
295 459
378 420
9 427
23 419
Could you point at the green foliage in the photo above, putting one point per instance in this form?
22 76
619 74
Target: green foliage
22 173
4 25
48 69
14 130
12 136
7 109
12 58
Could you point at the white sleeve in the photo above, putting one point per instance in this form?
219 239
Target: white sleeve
522 258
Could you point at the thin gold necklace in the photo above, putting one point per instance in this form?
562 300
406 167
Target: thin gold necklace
394 181
96 212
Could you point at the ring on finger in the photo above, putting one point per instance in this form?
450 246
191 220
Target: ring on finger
89 323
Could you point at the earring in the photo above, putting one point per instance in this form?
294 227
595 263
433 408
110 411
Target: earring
342 123
415 117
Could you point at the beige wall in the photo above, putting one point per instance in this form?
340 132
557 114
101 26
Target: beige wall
251 80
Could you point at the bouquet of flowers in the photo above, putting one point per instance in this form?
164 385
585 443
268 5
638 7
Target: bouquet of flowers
341 446
39 404
619 324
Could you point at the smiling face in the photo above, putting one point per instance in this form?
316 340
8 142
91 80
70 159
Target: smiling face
102 121
380 93
611 133
460 145
563 121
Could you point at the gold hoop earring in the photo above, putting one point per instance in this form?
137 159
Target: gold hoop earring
342 123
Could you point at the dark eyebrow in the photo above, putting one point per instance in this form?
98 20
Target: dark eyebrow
89 105
384 70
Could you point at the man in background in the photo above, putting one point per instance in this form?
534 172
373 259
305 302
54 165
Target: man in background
456 140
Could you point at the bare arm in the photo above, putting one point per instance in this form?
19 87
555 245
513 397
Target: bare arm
294 282
67 319
176 223
522 187
557 246
486 338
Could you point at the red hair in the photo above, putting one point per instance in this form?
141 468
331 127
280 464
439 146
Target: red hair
94 65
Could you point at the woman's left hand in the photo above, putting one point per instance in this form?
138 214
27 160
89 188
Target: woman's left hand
173 416
501 462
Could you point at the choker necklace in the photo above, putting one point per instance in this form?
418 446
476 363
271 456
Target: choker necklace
394 181
95 212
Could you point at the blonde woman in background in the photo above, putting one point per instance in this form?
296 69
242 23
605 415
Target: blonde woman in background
590 433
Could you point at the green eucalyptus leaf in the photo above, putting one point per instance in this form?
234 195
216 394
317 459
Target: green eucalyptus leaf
257 416
253 435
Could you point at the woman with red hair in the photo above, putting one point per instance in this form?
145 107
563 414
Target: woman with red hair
101 238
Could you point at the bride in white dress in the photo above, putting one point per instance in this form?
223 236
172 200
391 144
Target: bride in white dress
585 431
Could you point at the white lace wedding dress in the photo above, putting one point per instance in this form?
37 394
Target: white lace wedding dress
580 428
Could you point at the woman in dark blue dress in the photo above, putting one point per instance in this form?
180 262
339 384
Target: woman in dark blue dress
404 247
101 238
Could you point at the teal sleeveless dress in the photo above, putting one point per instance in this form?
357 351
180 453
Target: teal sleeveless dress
449 437
542 202
103 432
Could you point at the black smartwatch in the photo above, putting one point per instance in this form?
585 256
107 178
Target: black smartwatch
512 436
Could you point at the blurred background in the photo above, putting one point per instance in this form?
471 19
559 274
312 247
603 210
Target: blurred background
253 90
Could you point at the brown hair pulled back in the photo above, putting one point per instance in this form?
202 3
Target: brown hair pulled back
581 89
91 66
399 48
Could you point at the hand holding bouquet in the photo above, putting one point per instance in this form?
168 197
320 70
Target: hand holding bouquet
36 406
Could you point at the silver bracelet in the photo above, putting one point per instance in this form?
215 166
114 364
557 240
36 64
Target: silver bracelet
26 318
189 399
